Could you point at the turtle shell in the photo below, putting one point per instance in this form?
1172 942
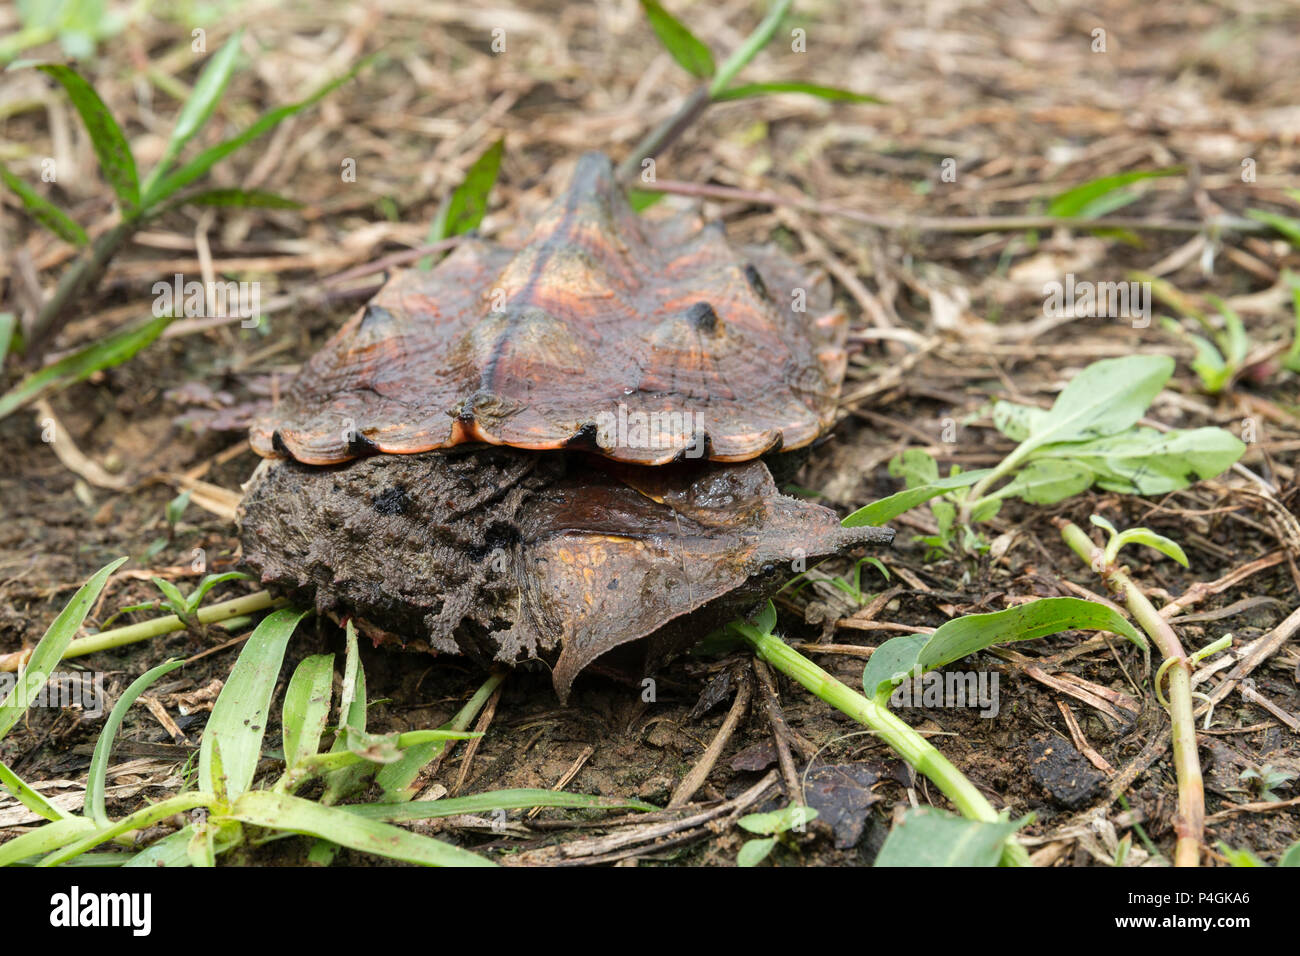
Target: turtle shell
511 555
644 341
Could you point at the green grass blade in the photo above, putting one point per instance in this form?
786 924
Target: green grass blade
242 198
104 745
8 323
760 38
307 707
342 783
142 818
111 147
201 163
515 799
198 109
49 650
171 850
690 53
44 840
238 720
832 93
43 211
914 654
930 837
1287 226
28 797
465 208
878 512
1086 200
112 350
279 811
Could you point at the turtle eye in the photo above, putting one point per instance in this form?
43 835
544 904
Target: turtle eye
768 570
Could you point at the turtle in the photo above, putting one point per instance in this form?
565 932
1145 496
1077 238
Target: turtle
504 554
559 449
644 341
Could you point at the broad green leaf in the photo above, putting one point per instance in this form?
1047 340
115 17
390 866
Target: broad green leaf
901 657
1076 202
915 467
831 93
28 797
1106 397
1292 855
280 811
468 203
107 352
1287 226
198 109
50 648
778 821
244 198
1015 421
754 852
692 55
1144 461
878 512
171 850
930 837
1046 481
238 720
43 211
518 799
306 707
111 147
44 840
201 163
95 778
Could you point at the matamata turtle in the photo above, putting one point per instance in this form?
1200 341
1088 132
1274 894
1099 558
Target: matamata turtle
636 370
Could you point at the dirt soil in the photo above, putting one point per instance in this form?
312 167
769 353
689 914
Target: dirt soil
945 317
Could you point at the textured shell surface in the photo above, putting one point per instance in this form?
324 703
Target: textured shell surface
644 341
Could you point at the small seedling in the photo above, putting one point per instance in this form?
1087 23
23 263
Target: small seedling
773 827
1221 352
1090 436
1262 781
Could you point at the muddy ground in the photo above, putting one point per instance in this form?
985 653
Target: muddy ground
945 319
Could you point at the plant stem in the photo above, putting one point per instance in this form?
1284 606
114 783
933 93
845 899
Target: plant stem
667 132
79 280
663 135
1190 822
906 742
133 633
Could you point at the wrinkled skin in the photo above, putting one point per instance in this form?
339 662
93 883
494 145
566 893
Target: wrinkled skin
511 555
641 340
